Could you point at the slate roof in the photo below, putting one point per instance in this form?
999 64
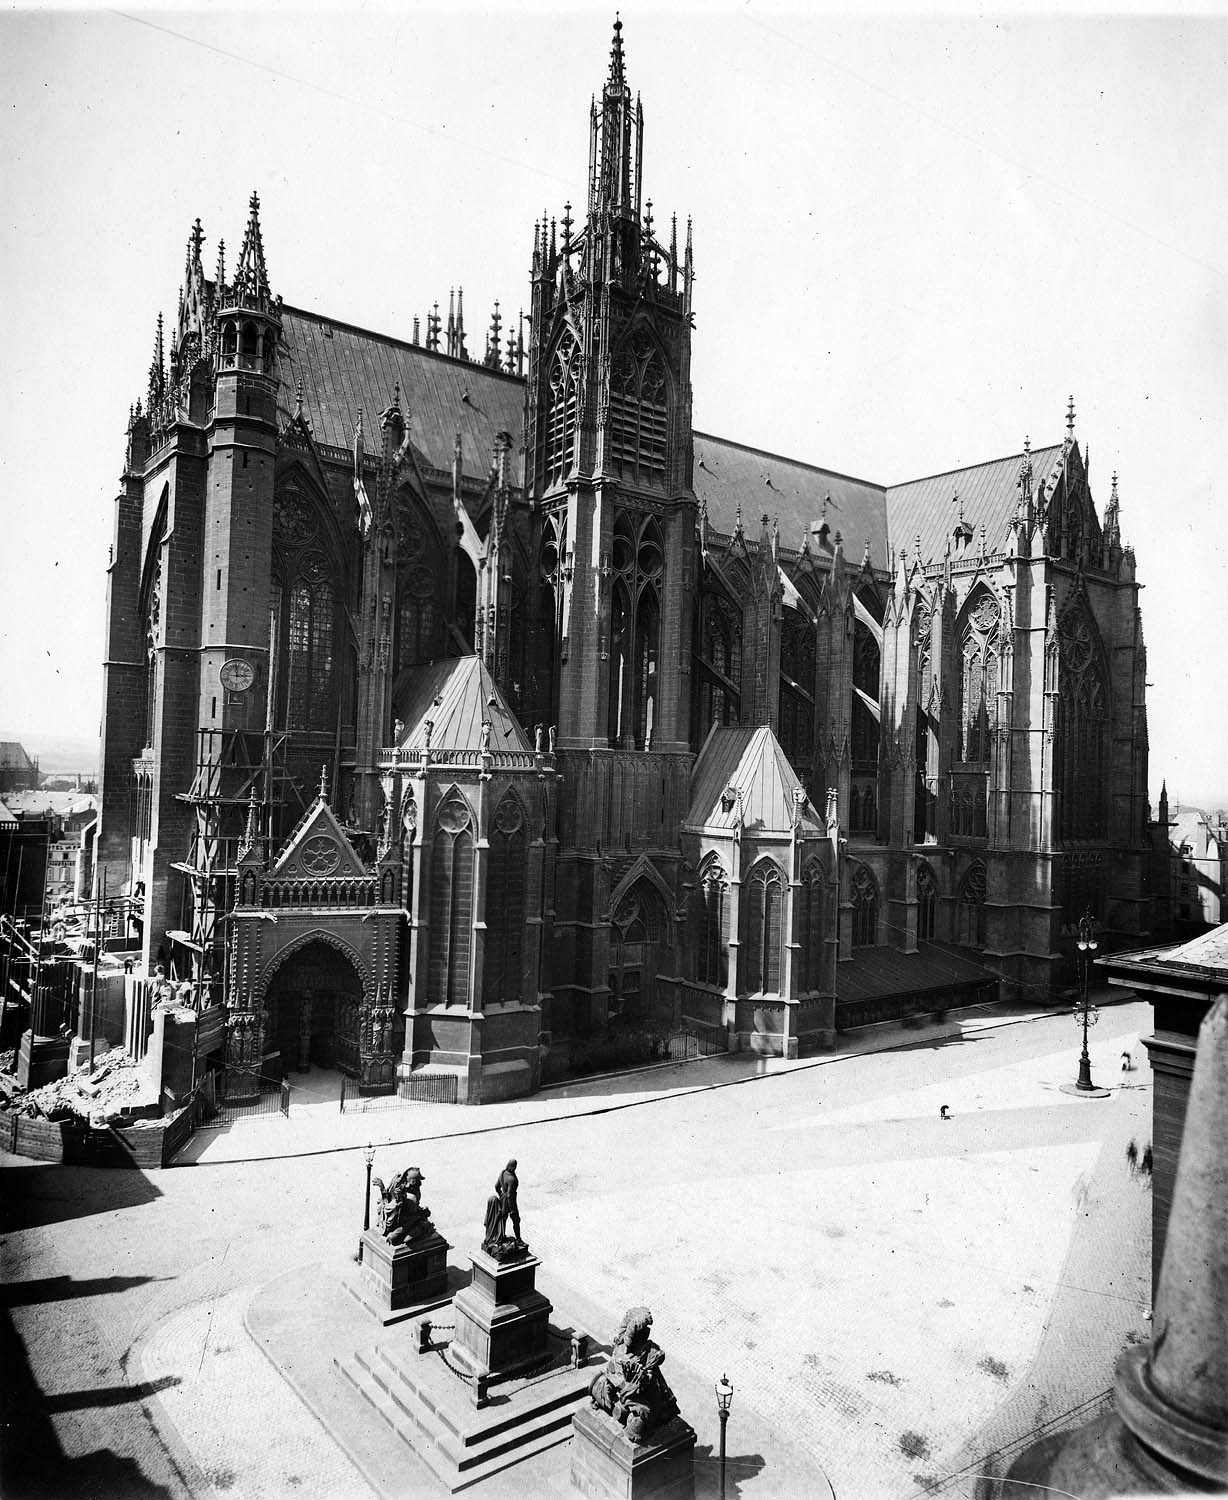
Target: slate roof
989 493
729 474
753 761
464 689
7 818
342 368
874 972
13 753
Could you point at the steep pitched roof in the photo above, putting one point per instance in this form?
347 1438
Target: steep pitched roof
987 492
753 762
458 696
728 475
13 753
342 368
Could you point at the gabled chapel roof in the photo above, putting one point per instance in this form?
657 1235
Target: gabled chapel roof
753 762
318 847
457 696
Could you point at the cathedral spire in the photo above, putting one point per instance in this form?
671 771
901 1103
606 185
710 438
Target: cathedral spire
616 144
617 77
251 273
157 367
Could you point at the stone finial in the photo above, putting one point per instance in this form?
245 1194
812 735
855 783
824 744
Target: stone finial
1070 419
323 793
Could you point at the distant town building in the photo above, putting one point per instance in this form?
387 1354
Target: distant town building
18 772
527 711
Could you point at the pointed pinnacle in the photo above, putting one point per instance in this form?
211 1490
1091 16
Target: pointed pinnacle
617 78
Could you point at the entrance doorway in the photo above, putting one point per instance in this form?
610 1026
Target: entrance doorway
639 949
313 1007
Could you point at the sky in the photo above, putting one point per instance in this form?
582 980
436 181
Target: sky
915 237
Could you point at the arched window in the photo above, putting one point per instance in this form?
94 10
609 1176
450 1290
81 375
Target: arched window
466 597
718 676
810 932
541 699
635 623
639 412
152 612
764 929
864 892
797 664
419 613
451 903
562 401
309 648
710 924
866 673
978 678
505 902
927 903
1082 731
970 908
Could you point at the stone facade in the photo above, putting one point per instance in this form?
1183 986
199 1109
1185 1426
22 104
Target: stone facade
318 527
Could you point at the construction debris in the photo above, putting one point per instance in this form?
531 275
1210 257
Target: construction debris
118 1089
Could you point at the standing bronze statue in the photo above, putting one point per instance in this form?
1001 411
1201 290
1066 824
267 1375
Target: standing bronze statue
501 1206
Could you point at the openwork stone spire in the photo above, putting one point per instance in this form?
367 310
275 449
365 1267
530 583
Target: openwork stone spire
251 283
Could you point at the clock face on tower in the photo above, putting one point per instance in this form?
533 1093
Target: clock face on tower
237 675
320 855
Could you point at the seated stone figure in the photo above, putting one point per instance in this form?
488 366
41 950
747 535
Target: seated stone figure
632 1388
402 1218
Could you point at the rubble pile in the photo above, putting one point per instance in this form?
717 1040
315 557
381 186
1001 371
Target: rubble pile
117 1090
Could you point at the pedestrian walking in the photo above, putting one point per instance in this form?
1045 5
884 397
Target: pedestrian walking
945 1112
1132 1157
1144 1165
1127 1063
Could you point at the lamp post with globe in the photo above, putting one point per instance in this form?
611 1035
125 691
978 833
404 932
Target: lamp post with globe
1085 1012
724 1400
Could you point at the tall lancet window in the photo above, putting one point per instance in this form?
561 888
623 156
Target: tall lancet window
718 670
639 411
1082 731
451 903
765 892
153 617
978 680
562 405
635 631
710 924
505 902
797 664
810 932
309 648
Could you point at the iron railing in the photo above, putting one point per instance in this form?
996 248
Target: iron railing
418 1088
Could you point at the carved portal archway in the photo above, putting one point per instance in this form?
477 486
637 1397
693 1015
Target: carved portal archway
313 1006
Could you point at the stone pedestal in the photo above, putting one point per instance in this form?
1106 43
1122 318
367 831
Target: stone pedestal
606 1465
399 1281
500 1318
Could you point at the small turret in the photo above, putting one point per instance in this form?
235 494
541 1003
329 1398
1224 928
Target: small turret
248 315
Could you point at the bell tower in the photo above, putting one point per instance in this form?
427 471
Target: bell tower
608 471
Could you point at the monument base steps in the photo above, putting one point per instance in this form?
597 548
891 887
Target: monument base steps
431 1408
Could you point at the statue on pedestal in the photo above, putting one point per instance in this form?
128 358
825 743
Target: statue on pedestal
632 1388
402 1218
501 1206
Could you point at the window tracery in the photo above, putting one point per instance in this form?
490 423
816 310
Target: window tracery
979 676
451 902
863 892
970 908
764 929
1082 730
562 400
719 663
638 559
810 927
505 901
419 618
303 604
797 667
927 902
710 921
639 412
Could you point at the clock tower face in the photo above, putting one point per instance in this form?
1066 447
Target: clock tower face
237 675
320 855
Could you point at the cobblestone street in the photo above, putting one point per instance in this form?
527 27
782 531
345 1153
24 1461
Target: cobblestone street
893 1295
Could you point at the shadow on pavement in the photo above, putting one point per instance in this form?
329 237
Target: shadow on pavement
33 1466
52 1193
738 1467
62 1288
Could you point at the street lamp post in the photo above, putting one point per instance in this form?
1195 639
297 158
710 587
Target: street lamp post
1086 1013
724 1400
368 1156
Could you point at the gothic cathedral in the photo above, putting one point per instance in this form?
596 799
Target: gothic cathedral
463 711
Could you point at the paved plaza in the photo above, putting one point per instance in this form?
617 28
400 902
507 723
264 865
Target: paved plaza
898 1299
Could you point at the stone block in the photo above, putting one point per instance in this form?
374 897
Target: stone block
501 1319
606 1465
397 1281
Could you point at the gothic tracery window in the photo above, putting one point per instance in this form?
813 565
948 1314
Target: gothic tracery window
811 936
639 412
927 902
635 624
419 615
978 682
451 902
303 609
764 929
863 891
710 922
1082 730
505 901
718 677
970 908
866 673
797 666
562 398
